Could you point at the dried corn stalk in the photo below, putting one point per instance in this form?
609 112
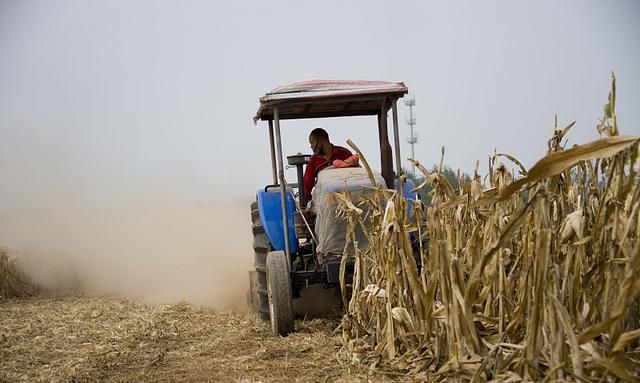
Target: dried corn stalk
13 282
527 279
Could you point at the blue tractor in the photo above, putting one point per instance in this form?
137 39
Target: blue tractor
291 249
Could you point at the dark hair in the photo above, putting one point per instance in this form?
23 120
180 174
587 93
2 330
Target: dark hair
319 133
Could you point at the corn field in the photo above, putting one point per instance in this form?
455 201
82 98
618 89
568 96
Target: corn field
13 281
512 277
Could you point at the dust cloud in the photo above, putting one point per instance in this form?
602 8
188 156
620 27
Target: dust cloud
159 248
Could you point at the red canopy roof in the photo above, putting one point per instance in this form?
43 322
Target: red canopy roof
328 98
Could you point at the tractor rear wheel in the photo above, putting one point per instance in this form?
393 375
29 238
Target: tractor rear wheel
261 247
279 292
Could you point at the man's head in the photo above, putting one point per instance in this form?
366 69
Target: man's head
319 141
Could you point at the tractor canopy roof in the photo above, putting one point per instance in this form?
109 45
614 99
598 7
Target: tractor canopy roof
329 98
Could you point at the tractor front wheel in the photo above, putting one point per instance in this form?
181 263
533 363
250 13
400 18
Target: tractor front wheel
279 293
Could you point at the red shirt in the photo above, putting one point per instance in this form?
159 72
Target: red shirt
321 162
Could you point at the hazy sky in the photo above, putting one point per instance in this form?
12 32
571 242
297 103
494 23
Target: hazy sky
106 99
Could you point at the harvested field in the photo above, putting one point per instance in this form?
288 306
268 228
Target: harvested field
82 339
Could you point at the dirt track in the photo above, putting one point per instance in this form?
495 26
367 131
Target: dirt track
113 339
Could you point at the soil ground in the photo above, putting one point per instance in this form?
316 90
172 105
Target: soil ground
81 339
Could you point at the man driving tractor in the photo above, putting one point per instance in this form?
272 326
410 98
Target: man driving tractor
324 155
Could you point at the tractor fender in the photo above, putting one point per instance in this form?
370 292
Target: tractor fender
270 207
407 188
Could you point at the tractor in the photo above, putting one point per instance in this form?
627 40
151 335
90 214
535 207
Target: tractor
291 249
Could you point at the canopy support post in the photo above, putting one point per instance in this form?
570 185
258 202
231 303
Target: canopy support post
396 138
272 148
283 187
386 159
